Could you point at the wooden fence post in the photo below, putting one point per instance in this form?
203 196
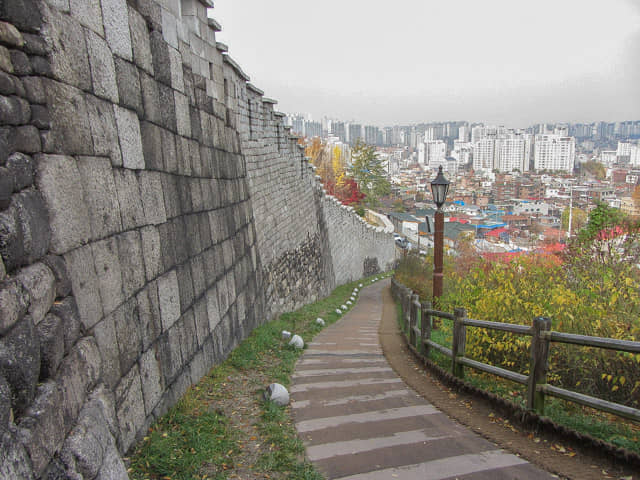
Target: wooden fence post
413 319
458 345
539 364
407 315
425 328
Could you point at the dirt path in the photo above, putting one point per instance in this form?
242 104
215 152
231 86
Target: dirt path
476 413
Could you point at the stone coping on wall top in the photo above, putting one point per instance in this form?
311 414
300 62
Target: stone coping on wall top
280 114
222 47
207 3
271 101
215 26
255 89
236 67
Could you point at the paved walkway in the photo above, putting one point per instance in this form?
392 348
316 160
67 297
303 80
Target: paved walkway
359 420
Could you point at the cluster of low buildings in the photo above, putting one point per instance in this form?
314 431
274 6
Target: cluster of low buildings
507 212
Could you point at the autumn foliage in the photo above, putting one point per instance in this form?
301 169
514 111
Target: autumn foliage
592 288
331 167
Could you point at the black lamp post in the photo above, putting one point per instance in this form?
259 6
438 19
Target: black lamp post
439 189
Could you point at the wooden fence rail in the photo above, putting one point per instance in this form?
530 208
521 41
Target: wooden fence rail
541 338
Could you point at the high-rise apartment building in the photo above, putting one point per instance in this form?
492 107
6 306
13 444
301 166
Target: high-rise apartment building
484 153
354 133
554 152
435 153
371 135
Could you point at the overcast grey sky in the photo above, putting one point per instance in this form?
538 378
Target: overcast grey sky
508 62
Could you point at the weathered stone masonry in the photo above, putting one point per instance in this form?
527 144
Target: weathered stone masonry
153 210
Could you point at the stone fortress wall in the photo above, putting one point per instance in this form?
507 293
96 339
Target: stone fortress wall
153 210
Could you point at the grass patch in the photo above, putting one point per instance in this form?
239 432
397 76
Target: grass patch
222 428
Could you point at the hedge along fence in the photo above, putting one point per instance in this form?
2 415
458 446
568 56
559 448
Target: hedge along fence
541 338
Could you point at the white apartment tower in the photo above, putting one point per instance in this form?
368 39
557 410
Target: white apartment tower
484 153
554 152
435 153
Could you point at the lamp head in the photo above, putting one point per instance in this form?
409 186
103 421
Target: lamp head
440 188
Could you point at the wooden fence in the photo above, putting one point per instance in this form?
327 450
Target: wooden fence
541 337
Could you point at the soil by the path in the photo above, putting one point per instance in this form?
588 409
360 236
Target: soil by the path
476 414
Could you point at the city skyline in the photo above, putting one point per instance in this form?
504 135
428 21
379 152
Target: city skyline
571 61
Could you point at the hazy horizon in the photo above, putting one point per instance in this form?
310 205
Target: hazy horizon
421 61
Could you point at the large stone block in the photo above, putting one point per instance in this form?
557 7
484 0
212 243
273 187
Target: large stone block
167 107
179 235
100 196
185 286
27 139
169 355
59 181
151 379
11 239
161 58
14 302
213 308
78 374
169 152
43 425
201 318
69 58
21 168
129 86
116 27
67 311
51 337
85 449
20 363
197 275
107 262
149 315
5 405
129 407
127 327
151 252
140 41
104 130
14 459
88 13
152 146
152 197
169 297
40 285
131 208
130 140
167 246
59 269
131 262
103 72
34 90
84 281
183 118
189 343
21 64
14 110
150 98
192 225
105 335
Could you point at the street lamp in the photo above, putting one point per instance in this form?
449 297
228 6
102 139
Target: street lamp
439 189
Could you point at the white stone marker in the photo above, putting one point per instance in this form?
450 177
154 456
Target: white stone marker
338 311
320 321
277 394
360 285
297 341
349 302
286 335
344 307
